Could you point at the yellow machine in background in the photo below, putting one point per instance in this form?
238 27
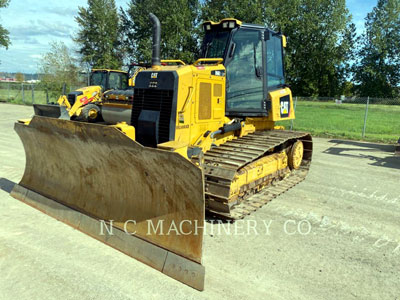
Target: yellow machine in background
84 103
106 87
200 137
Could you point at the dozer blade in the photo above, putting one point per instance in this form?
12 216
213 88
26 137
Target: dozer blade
98 180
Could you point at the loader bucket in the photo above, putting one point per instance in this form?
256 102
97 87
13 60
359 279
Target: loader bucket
51 111
47 110
98 180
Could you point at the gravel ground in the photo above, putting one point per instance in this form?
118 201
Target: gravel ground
335 235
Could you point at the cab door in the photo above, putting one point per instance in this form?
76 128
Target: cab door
244 73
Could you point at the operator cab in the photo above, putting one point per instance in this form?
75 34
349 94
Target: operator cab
253 58
109 79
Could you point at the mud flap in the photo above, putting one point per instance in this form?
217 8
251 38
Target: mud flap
98 180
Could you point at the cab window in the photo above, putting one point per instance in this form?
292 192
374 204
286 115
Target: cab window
99 78
244 72
275 76
215 43
117 81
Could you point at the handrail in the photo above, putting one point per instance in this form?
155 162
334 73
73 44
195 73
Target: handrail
208 61
178 61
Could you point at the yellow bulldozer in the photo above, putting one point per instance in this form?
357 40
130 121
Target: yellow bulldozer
200 138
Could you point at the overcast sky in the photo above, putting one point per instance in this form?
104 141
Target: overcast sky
33 24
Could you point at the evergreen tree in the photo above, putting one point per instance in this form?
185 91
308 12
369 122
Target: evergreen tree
178 29
250 11
4 38
378 68
99 37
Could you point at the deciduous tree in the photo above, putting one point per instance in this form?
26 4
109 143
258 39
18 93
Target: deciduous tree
4 34
57 67
19 77
378 70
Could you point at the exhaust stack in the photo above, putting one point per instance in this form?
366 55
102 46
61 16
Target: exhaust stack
155 59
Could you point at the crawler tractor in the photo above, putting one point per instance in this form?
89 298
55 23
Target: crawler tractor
200 137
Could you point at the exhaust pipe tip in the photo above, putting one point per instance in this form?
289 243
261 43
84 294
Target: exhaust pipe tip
155 59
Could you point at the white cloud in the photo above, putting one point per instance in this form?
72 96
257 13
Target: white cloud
36 56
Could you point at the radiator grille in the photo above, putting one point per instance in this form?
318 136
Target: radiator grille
156 100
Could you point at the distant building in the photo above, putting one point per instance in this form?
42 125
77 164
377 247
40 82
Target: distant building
4 79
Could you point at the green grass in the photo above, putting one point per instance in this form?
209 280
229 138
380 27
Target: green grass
15 96
347 120
325 119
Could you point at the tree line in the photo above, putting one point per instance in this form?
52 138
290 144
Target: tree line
324 57
4 34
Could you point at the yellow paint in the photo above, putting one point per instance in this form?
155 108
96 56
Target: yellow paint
200 112
275 114
175 146
237 22
131 81
91 94
24 121
127 129
173 61
215 61
296 155
92 114
284 41
262 167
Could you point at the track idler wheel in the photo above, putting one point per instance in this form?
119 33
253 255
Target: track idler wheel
295 155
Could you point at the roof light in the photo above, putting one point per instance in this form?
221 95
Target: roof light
208 27
225 25
232 24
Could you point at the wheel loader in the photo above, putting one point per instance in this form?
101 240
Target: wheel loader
84 104
201 138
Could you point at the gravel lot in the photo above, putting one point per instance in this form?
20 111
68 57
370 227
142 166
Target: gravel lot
341 239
